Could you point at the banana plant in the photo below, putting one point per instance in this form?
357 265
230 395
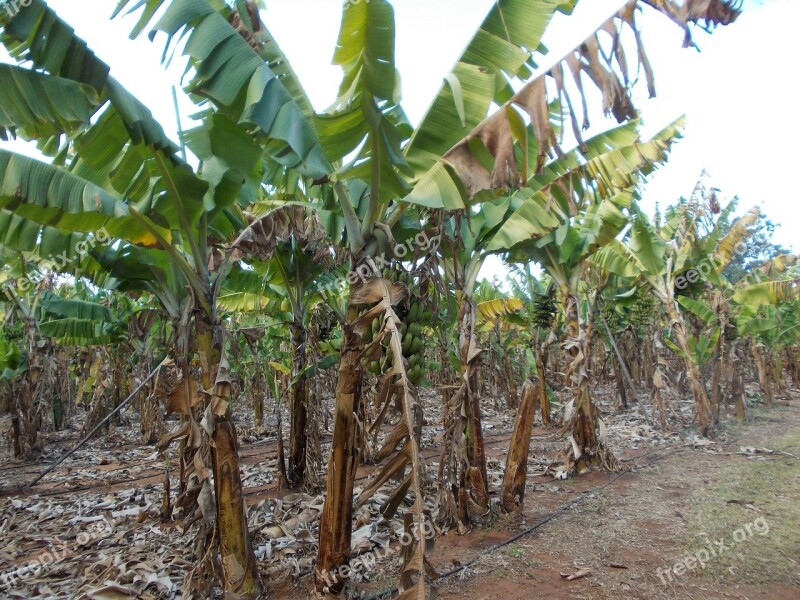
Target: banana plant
588 192
498 317
290 273
457 152
564 254
13 366
510 314
115 170
489 157
538 296
78 318
366 116
258 129
32 385
766 311
668 259
658 262
567 185
774 329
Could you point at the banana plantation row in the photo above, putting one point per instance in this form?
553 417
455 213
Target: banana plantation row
311 256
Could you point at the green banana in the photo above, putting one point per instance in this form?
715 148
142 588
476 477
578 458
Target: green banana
407 340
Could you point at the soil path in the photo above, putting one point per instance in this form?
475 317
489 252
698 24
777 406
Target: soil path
632 532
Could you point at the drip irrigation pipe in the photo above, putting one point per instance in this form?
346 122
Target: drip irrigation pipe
564 507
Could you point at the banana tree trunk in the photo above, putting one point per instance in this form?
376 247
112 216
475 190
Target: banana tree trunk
620 383
510 380
60 407
484 382
777 369
240 575
298 404
621 372
583 422
542 353
514 478
258 395
763 373
794 366
702 407
474 480
446 381
736 384
85 367
29 409
463 490
716 377
632 350
280 453
335 528
238 559
647 367
16 422
716 381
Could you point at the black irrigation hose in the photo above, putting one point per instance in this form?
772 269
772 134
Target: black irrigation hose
564 507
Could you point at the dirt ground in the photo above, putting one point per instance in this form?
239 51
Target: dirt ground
635 534
631 532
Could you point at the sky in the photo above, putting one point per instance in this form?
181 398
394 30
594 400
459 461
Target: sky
739 93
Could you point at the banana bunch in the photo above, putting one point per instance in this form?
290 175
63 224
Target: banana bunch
611 317
398 275
331 346
643 311
544 311
413 316
413 341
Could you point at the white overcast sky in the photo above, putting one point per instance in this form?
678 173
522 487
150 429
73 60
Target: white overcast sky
740 93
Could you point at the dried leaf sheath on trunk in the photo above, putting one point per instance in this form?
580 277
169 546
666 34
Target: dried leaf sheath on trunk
702 406
581 420
374 302
298 402
464 495
335 530
514 479
236 552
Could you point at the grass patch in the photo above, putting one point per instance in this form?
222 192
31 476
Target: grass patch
772 487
